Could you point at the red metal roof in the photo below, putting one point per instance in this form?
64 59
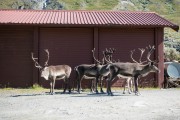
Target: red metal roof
97 18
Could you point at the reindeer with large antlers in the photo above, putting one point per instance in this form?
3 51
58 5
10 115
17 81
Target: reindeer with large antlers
134 70
93 71
128 83
104 71
53 73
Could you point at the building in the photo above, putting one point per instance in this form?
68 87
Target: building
70 36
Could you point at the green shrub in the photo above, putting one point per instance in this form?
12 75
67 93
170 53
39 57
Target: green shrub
171 54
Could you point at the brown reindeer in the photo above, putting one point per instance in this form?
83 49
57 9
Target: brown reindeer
134 70
53 73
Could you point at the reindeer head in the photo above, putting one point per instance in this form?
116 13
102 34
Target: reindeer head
45 73
43 70
150 62
152 67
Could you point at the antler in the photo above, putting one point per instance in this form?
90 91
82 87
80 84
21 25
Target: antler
108 53
104 55
46 63
142 52
151 49
36 63
94 57
112 50
132 51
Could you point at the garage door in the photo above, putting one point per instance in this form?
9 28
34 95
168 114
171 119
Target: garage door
71 46
125 40
15 62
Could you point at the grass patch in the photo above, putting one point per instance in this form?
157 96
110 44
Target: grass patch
36 87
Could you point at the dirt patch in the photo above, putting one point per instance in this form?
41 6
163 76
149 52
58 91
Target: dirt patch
32 104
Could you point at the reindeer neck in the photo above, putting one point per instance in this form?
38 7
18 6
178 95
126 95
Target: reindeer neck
145 69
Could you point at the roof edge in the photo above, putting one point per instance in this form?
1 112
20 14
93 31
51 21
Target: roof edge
174 27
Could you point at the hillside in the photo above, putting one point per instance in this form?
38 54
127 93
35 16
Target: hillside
169 9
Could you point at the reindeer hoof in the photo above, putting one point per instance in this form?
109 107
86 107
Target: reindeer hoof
97 92
102 91
112 94
137 93
70 92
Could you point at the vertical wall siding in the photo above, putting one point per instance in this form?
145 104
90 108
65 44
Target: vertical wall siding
15 62
124 40
71 46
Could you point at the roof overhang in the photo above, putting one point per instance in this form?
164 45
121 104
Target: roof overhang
84 18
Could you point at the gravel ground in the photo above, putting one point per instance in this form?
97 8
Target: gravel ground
24 104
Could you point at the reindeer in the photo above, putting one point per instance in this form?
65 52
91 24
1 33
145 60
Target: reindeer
108 58
103 72
53 73
128 83
86 71
92 71
134 70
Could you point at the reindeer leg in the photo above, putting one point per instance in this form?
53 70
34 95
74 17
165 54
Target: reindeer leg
65 83
110 88
124 84
79 84
131 85
97 84
101 83
65 87
92 85
73 85
69 85
136 86
108 92
51 87
113 75
128 85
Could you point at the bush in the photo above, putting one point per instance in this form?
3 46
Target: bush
171 54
